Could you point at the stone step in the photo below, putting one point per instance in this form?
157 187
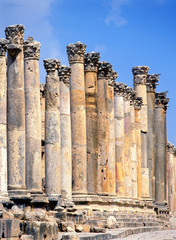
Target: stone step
136 220
137 224
118 233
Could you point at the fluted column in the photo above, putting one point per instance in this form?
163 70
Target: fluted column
90 67
133 152
111 135
138 119
119 89
127 143
3 119
160 146
15 109
78 117
151 85
104 73
65 123
139 80
32 115
52 131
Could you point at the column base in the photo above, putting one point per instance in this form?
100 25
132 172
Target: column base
19 194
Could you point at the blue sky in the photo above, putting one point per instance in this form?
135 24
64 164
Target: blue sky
125 32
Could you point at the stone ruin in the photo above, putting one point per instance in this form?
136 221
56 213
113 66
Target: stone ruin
82 152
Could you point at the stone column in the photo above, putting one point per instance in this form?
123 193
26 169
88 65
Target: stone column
151 85
52 131
65 123
133 152
42 106
3 119
160 146
119 89
104 73
127 143
32 116
139 76
174 184
111 135
138 104
90 67
170 177
78 117
15 110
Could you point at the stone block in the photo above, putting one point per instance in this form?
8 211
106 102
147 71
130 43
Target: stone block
70 236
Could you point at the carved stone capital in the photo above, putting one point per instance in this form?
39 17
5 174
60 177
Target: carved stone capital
75 52
174 151
51 65
152 80
138 103
161 100
14 34
42 90
91 61
3 47
64 74
31 49
104 70
119 88
127 93
140 74
132 97
112 78
170 147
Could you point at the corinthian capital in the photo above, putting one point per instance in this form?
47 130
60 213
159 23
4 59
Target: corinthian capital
138 103
140 74
119 88
104 70
14 34
51 65
152 80
91 61
127 93
75 52
64 74
161 100
132 97
112 78
3 47
31 49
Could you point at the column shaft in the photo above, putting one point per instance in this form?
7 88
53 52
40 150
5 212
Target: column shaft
52 131
3 119
32 116
66 146
119 138
78 117
15 109
91 62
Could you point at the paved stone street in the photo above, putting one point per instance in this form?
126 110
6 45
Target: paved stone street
158 235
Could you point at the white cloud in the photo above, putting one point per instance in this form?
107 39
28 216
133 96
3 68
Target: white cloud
100 48
114 15
34 15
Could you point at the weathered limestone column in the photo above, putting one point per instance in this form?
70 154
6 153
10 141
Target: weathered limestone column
78 117
65 123
90 67
127 143
133 152
3 119
174 185
32 116
138 119
170 177
160 146
139 80
104 73
119 89
111 136
15 110
151 85
42 107
52 131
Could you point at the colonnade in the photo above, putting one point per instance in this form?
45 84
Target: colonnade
98 137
